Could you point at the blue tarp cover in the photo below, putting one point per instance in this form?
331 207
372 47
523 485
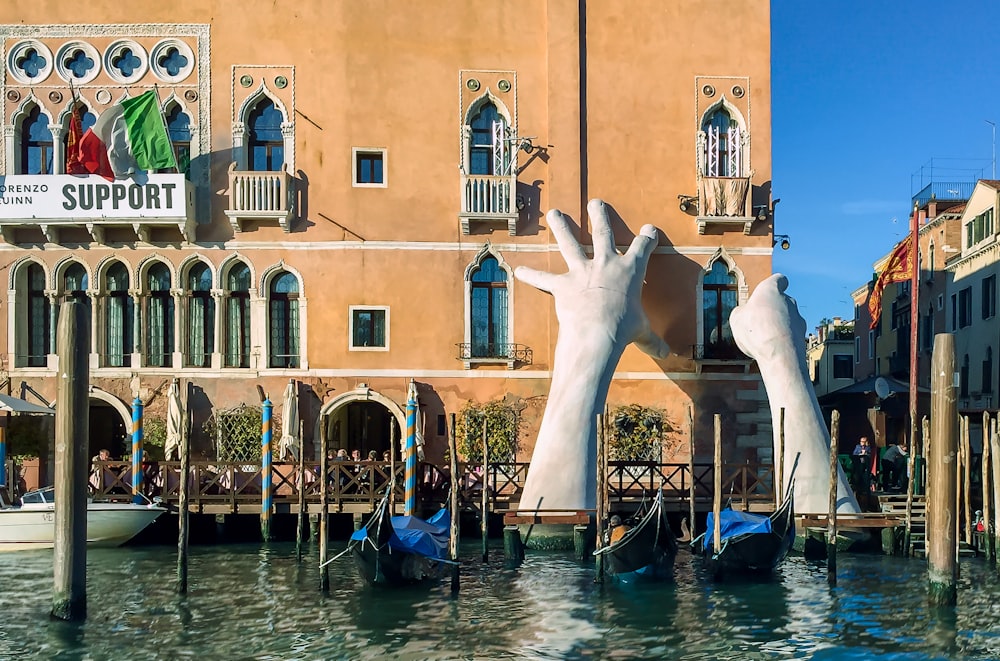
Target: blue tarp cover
412 535
733 523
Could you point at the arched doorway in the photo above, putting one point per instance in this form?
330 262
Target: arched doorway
361 419
110 424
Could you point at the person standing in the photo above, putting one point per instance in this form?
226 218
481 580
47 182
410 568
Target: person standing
894 466
861 459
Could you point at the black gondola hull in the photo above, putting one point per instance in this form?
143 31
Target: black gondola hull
646 552
755 553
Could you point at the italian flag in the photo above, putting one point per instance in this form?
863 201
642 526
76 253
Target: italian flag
127 138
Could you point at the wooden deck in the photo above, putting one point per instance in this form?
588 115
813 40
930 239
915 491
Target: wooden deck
235 487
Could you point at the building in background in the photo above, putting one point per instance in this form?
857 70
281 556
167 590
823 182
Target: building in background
877 403
355 186
830 355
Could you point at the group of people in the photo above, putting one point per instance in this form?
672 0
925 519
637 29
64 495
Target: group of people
101 476
894 465
362 478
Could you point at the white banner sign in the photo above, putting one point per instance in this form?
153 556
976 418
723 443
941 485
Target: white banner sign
71 197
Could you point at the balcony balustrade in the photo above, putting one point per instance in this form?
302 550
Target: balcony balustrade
489 200
257 195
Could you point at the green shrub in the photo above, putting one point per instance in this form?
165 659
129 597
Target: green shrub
639 433
502 427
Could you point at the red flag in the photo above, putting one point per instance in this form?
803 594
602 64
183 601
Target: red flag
73 164
94 155
897 269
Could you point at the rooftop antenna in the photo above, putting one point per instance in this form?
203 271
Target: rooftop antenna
993 124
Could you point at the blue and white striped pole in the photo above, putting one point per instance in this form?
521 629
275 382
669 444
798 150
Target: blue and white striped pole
265 471
3 454
137 451
410 501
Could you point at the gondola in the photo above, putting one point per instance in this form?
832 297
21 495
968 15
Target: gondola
646 551
401 550
751 543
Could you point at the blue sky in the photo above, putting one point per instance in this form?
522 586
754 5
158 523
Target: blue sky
865 93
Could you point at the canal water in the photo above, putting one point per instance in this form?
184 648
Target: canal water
257 602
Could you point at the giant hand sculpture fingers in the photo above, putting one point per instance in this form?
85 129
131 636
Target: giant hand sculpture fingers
604 290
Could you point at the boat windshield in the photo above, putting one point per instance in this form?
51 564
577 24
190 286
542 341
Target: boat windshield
39 497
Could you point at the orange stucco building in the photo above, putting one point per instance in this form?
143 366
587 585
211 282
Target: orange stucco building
357 182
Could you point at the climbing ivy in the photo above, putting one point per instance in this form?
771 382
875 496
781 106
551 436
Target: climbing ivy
502 427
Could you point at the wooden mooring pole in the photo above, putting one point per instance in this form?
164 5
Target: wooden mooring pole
300 521
455 522
484 523
717 485
692 525
183 514
987 493
966 489
69 590
994 523
942 476
831 515
324 507
779 461
602 487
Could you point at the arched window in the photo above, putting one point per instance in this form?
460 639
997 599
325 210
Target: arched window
201 317
75 284
488 153
266 144
238 316
283 321
36 144
723 145
119 318
179 128
488 309
719 299
159 317
987 385
37 318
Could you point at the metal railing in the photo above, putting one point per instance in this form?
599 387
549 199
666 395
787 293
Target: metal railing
717 351
506 351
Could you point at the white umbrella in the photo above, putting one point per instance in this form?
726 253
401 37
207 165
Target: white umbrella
172 445
290 423
15 405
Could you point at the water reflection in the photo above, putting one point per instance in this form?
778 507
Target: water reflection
258 602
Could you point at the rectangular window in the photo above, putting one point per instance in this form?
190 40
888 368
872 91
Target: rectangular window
369 167
842 367
965 307
369 328
954 312
979 228
989 296
871 344
857 349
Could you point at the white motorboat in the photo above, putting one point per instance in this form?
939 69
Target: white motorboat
31 525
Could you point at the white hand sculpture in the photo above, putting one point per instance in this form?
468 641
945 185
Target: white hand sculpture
599 307
769 329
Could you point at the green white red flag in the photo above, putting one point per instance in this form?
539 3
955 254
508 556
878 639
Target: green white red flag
126 138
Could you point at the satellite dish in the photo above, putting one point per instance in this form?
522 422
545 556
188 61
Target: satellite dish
881 388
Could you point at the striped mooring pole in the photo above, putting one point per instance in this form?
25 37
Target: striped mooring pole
137 451
265 471
410 502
